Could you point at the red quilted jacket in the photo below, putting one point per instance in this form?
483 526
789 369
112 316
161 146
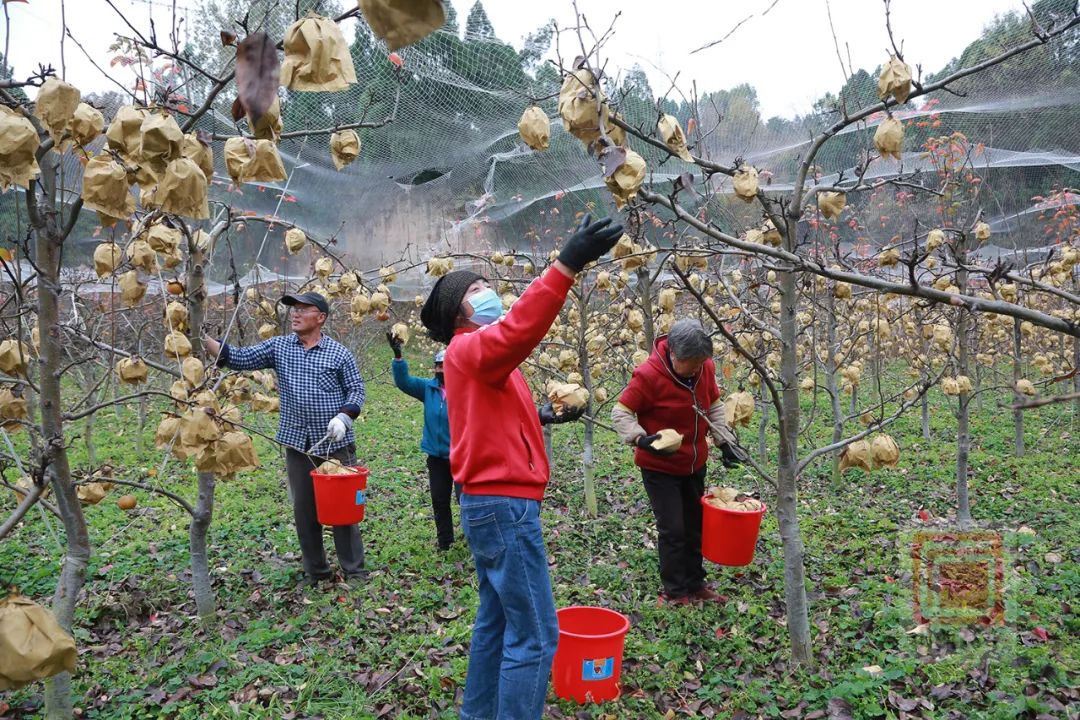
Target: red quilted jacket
661 401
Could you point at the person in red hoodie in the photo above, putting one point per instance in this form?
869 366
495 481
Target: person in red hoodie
674 389
497 453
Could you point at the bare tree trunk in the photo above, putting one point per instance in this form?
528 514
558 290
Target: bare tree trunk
645 292
763 423
1018 415
1076 379
587 442
50 239
832 349
798 622
201 585
963 415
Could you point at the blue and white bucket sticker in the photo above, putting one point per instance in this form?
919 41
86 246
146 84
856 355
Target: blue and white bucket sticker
359 497
598 668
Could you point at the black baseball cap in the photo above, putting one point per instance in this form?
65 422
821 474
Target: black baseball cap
308 298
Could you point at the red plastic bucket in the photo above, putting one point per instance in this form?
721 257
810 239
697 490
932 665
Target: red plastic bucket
340 499
728 537
588 661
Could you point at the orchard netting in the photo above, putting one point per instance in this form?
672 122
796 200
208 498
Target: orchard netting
448 172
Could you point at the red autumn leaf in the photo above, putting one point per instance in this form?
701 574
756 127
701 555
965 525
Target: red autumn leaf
1041 633
924 516
691 125
257 74
727 372
720 633
237 110
395 59
227 38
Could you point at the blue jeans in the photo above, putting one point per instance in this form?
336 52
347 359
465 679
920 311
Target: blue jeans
516 630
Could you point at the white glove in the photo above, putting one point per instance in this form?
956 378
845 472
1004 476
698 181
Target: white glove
338 426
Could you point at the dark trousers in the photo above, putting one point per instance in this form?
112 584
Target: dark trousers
676 503
441 481
347 542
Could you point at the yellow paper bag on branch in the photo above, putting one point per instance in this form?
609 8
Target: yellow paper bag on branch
739 408
889 138
19 142
579 108
831 204
12 409
183 191
671 133
193 371
535 128
14 357
177 345
317 57
125 131
142 256
160 142
132 370
33 646
746 182
162 238
295 239
626 180
131 288
268 127
203 155
344 147
176 316
86 124
261 402
253 161
198 429
885 451
168 431
92 493
857 454
895 80
402 22
55 106
105 187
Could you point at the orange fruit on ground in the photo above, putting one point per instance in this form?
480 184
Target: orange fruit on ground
127 502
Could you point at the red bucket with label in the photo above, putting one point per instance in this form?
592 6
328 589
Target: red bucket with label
340 499
728 537
588 661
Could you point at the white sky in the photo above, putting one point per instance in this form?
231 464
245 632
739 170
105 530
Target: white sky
788 55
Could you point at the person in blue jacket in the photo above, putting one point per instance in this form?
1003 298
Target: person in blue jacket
435 440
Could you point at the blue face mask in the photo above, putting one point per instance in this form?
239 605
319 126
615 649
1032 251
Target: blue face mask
487 307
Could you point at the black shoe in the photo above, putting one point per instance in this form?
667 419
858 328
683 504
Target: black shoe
309 581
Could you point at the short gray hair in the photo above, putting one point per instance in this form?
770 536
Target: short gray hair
687 340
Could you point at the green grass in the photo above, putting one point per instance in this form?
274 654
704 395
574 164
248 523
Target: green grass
397 648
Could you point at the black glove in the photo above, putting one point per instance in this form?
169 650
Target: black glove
645 443
548 415
589 242
395 345
733 456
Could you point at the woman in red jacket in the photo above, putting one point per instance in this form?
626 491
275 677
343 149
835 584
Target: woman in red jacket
497 453
671 390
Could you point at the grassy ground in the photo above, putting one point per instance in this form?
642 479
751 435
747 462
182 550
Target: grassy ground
397 648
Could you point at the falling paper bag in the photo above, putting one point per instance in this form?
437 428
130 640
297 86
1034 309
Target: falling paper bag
402 22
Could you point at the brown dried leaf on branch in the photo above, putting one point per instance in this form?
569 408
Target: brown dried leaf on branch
257 74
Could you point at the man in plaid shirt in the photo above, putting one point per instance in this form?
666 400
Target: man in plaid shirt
321 394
